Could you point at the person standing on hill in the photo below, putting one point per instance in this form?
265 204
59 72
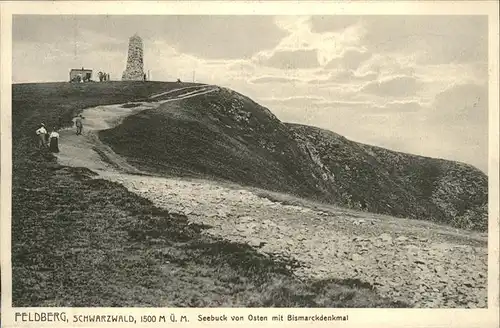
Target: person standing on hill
79 124
54 141
42 133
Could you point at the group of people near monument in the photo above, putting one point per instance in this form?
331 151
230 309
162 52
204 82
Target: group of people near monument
51 140
103 76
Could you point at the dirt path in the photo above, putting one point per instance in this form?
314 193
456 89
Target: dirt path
88 151
417 262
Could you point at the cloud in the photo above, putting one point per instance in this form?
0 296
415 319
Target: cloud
321 24
350 59
44 28
206 36
388 65
311 48
400 107
437 39
366 108
399 86
462 103
458 120
345 104
350 75
370 107
274 79
298 59
347 78
297 101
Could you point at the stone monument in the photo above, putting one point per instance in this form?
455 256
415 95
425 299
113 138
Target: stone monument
135 66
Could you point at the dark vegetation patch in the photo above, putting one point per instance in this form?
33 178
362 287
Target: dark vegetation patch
132 105
401 184
78 241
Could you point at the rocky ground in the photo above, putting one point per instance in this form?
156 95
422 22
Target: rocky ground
416 265
417 262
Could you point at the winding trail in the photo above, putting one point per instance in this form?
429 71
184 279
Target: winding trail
409 260
88 151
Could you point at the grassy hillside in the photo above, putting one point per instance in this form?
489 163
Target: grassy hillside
86 242
56 103
218 135
395 183
225 135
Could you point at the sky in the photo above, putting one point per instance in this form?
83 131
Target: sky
417 84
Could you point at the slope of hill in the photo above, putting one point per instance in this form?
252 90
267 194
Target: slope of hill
218 135
56 103
224 135
82 242
395 183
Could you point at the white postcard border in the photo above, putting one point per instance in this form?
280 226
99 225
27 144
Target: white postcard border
357 317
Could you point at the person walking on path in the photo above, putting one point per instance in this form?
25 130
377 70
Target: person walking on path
79 124
54 141
42 134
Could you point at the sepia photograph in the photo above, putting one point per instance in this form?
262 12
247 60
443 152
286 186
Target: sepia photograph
250 161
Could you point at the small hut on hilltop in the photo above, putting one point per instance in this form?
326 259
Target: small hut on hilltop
80 75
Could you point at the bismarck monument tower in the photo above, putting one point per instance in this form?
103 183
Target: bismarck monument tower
135 64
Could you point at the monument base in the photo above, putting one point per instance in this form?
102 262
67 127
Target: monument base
136 76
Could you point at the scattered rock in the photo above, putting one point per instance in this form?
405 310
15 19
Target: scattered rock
378 243
425 274
386 238
482 303
244 219
439 269
363 250
356 257
256 243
